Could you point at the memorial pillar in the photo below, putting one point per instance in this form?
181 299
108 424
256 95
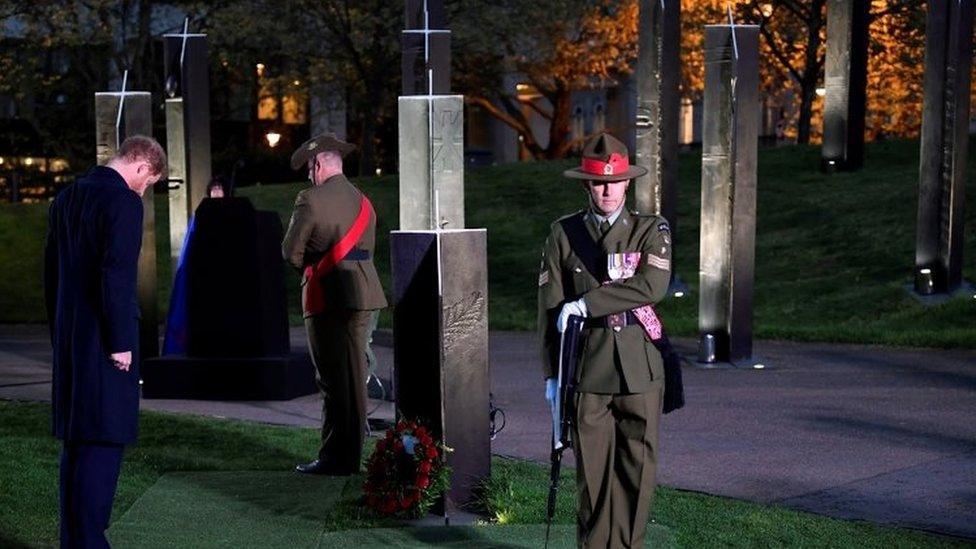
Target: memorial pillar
944 147
187 88
440 315
119 115
431 125
846 75
658 104
728 213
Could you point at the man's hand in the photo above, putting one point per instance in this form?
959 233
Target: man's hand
122 361
577 308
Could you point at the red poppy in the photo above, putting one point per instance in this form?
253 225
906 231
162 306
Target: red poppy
431 452
423 481
424 467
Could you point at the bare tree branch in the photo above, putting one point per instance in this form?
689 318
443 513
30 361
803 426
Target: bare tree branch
779 54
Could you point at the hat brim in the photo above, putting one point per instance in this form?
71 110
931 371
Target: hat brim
632 172
301 156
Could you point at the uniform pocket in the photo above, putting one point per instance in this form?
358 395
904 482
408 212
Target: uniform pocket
654 359
581 283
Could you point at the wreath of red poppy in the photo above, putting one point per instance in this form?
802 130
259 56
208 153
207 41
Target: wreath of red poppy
405 474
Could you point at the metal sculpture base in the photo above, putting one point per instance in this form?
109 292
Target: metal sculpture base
711 356
677 288
934 298
440 347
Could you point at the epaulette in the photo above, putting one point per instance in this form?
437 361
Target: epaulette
567 216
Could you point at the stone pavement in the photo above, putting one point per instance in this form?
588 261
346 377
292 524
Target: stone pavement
881 434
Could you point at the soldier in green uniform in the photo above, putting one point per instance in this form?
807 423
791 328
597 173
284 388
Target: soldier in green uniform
620 374
331 237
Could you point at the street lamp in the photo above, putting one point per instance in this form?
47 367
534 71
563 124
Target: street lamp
273 138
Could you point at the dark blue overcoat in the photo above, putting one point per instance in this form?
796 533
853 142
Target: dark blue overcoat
91 259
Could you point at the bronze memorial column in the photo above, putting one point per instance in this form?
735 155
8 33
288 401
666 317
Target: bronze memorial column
187 88
728 214
119 115
846 75
658 105
944 147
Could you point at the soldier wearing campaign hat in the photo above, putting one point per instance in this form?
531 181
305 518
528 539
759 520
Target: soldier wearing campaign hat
331 238
611 280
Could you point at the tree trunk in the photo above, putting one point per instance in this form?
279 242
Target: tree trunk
811 71
142 60
559 125
367 155
808 91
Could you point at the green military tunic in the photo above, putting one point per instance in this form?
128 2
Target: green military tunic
621 374
337 338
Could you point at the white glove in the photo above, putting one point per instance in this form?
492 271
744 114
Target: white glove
552 389
552 395
577 308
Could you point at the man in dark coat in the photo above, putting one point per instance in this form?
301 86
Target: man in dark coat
93 240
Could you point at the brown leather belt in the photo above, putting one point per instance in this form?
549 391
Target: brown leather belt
612 321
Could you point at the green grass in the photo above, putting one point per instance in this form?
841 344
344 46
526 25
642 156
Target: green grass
22 231
516 492
833 253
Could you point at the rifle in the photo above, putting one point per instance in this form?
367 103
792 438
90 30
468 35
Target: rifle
569 346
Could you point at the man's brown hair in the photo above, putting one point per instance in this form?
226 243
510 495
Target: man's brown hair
140 147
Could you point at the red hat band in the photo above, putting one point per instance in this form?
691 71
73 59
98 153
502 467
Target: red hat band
617 164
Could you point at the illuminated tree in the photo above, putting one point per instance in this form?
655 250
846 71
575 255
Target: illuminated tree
556 47
792 50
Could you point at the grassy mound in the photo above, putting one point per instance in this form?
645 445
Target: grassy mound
833 253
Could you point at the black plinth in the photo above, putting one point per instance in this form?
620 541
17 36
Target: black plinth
236 301
237 344
263 378
440 345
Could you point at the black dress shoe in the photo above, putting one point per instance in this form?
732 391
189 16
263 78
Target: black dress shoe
319 467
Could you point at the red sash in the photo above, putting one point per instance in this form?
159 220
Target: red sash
313 298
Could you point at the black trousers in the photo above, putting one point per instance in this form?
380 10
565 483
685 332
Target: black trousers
89 474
